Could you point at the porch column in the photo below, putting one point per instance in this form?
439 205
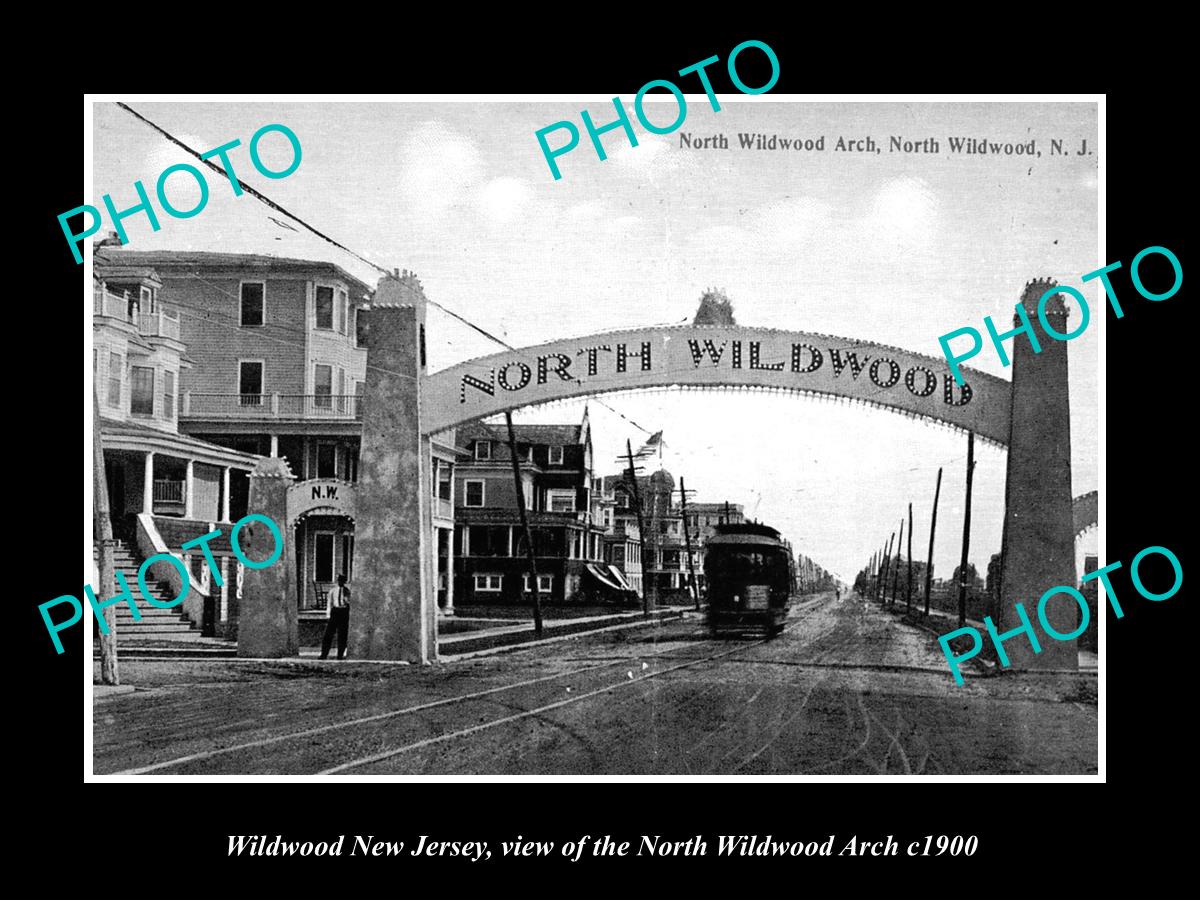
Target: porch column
449 607
148 485
274 445
188 481
225 494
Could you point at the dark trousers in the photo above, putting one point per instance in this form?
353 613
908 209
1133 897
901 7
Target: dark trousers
339 621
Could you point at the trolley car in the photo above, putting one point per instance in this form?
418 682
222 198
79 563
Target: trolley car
751 578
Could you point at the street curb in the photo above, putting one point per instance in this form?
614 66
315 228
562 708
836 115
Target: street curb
510 640
656 618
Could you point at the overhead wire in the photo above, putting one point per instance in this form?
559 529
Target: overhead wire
262 198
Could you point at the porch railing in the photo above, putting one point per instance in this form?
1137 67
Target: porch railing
168 491
105 303
272 406
159 324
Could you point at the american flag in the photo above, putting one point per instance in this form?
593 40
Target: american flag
652 446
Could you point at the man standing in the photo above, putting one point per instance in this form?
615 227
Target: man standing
339 619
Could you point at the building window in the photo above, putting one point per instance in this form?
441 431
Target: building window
473 493
545 584
360 328
141 398
326 460
325 307
250 382
444 482
560 501
344 312
323 557
483 449
254 307
323 387
116 366
341 389
169 396
490 583
556 456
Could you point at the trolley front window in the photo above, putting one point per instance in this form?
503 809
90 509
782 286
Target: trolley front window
747 566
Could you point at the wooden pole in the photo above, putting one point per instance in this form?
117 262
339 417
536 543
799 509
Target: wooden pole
647 582
687 536
529 549
908 592
966 539
887 566
896 567
109 671
937 492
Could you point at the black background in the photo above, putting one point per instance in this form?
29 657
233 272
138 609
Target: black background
184 828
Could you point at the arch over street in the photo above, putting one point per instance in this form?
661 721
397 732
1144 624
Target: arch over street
716 357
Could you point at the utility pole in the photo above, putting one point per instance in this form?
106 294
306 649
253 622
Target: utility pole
887 567
896 567
529 549
908 593
937 492
966 540
647 582
687 536
109 673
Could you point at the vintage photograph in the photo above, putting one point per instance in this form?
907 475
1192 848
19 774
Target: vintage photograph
480 438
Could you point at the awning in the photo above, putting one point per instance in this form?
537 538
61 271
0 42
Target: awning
619 576
604 577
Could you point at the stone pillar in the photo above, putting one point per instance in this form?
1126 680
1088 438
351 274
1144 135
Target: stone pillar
267 615
394 615
274 444
1039 536
148 486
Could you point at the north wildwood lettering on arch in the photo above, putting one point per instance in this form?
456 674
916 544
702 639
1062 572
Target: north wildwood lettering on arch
714 357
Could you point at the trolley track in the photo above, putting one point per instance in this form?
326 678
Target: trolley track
305 742
392 752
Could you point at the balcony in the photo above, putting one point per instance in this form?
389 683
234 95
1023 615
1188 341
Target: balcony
152 324
334 407
110 305
159 324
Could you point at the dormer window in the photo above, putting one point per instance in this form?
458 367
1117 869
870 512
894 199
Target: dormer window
556 455
483 449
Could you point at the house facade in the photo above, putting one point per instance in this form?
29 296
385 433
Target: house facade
564 513
165 488
278 368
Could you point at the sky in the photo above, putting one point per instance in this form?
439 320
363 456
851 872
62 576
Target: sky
897 248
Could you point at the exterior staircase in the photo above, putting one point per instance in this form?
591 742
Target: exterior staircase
160 633
170 624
